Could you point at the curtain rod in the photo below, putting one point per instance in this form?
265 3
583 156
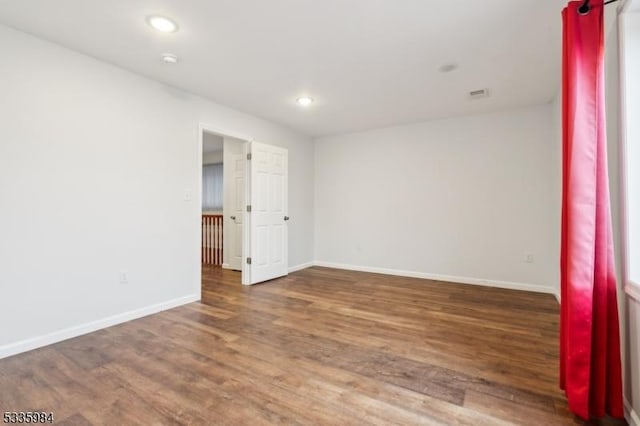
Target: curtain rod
585 7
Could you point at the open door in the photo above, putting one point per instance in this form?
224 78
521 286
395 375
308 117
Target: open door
266 214
237 204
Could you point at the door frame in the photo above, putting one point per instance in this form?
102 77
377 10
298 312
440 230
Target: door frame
246 229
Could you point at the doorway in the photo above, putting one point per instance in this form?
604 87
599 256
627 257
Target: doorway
222 201
244 200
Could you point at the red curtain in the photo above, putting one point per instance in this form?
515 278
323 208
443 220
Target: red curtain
590 370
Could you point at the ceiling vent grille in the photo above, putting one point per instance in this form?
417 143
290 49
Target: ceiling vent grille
478 94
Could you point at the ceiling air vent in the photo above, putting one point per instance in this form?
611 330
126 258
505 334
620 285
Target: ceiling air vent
480 93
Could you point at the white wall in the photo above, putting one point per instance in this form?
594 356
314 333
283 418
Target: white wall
556 182
94 165
215 157
465 197
212 147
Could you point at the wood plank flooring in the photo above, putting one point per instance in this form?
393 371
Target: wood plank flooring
321 347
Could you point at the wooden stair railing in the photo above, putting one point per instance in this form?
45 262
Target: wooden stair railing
212 239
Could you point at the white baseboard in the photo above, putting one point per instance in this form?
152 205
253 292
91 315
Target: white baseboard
226 266
68 333
301 267
436 277
630 414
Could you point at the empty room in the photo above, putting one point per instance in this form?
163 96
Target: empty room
338 212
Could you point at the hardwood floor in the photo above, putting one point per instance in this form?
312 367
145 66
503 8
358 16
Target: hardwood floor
321 346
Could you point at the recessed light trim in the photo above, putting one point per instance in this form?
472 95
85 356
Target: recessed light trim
169 58
304 101
162 24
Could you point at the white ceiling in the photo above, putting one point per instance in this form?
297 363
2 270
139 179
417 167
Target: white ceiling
368 63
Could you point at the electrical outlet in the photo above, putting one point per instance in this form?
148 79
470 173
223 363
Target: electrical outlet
187 195
528 257
124 277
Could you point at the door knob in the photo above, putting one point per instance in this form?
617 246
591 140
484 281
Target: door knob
233 218
286 218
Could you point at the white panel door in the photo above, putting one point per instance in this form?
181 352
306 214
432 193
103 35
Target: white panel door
238 204
268 217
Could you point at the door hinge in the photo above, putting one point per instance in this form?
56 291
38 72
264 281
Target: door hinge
248 261
249 156
249 209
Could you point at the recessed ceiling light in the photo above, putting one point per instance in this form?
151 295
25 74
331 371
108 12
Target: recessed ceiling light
448 67
304 101
169 58
163 24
